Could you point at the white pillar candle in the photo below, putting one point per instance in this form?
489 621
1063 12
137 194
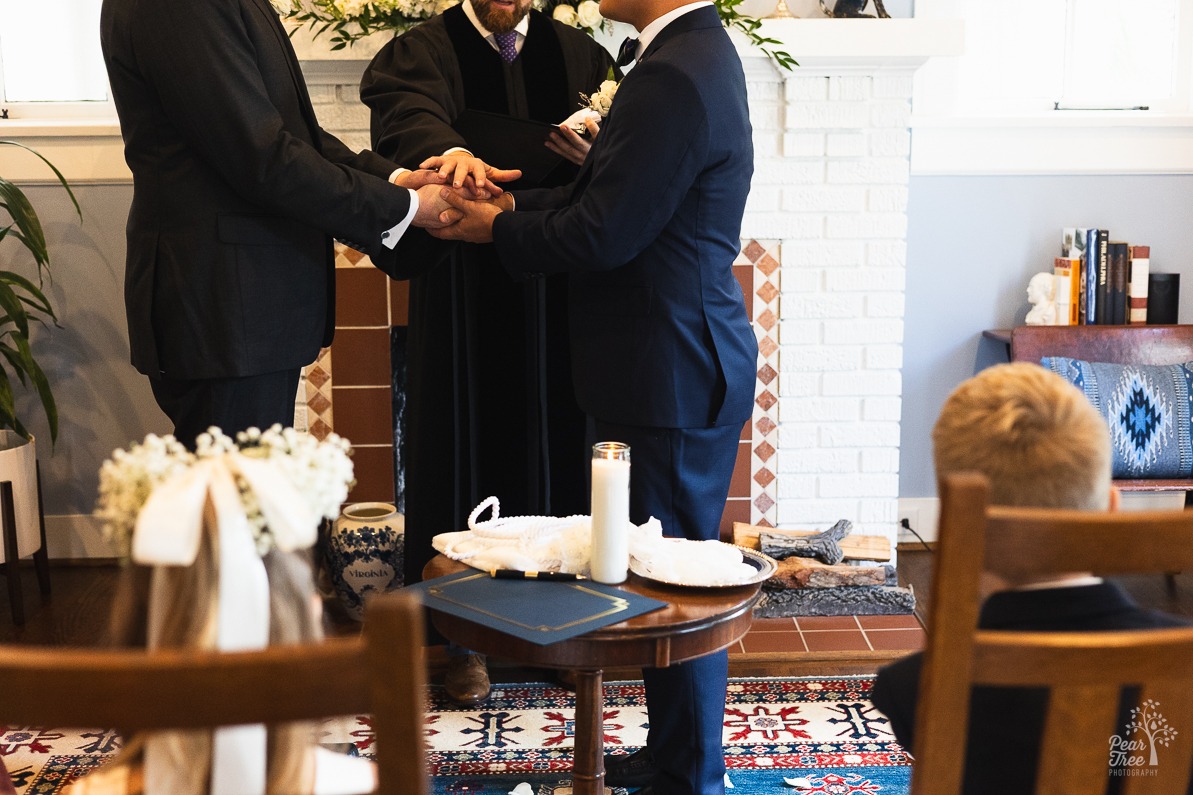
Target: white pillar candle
610 558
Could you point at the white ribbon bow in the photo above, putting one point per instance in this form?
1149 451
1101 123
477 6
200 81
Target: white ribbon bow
168 531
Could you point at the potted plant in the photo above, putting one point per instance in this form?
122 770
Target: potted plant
22 304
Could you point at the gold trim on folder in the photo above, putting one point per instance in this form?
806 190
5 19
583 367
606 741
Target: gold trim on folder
617 604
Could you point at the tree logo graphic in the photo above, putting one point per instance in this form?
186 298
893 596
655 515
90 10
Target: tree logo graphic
1136 747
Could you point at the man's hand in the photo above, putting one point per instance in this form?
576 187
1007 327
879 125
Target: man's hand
461 166
476 222
434 211
569 145
417 179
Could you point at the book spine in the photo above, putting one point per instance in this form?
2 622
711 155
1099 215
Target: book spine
1089 274
1065 274
1140 269
1117 257
1101 257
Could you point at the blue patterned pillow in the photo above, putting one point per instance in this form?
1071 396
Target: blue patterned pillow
1147 409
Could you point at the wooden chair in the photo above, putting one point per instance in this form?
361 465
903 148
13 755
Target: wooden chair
1084 671
1148 345
380 672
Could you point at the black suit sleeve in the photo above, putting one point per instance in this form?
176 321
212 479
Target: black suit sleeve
895 692
207 65
645 159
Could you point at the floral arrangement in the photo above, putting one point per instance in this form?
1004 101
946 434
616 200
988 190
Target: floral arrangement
350 20
585 15
320 471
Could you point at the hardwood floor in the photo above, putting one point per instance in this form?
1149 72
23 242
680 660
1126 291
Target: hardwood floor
76 613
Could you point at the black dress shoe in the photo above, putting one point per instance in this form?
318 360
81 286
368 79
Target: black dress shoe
631 771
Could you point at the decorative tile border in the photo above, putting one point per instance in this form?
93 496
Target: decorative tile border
764 255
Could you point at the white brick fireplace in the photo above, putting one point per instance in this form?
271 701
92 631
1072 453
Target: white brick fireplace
829 203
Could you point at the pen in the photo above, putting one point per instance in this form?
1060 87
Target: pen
515 574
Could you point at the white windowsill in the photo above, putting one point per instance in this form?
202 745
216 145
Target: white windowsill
1069 142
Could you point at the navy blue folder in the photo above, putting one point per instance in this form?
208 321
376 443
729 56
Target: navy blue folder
534 610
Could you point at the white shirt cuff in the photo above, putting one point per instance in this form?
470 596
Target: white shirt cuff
456 149
391 236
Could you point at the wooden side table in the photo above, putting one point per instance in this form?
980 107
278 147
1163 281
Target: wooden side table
695 622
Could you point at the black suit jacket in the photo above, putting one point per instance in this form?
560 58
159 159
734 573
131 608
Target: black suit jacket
1006 724
648 232
237 191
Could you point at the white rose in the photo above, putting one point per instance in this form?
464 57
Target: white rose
589 13
600 103
608 87
565 14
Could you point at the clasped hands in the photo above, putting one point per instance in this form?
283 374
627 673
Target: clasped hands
448 185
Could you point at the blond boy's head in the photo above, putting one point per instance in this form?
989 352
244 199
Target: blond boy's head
1032 434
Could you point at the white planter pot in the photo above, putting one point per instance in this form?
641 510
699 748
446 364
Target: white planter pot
18 463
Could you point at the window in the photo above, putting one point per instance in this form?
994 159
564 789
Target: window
1031 56
50 55
1058 86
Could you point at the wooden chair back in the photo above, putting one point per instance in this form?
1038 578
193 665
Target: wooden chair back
1084 672
380 672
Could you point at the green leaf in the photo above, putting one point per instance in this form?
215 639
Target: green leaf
12 307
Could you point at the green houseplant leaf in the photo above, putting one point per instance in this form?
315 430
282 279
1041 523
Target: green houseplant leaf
22 300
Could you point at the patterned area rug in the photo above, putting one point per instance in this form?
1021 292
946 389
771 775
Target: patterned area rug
808 735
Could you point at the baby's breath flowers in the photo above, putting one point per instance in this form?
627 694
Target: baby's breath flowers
320 471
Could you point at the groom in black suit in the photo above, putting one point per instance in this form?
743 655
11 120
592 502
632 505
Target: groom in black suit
663 355
237 193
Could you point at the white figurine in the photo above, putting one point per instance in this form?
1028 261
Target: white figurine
1041 295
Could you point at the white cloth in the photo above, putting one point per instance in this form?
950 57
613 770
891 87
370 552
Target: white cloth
549 543
168 533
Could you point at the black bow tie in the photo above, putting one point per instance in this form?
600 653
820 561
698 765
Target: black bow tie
629 50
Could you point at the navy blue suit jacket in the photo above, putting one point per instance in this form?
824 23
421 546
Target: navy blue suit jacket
649 231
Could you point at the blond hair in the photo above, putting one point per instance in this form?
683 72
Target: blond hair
1034 435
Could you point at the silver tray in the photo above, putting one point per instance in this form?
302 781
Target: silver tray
765 565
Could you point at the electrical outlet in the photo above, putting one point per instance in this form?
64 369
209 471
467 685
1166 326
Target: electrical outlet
912 516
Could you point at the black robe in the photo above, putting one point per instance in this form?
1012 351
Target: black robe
490 408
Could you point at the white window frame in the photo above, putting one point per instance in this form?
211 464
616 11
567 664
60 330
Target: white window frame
952 140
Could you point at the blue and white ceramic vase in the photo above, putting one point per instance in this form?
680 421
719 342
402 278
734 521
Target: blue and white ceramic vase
364 553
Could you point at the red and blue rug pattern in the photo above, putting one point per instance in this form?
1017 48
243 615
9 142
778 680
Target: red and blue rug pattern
821 733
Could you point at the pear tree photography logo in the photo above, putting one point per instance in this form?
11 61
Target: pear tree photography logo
1134 752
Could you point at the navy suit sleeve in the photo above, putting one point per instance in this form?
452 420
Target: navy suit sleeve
646 157
203 61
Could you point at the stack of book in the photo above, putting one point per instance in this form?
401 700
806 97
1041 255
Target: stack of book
1100 281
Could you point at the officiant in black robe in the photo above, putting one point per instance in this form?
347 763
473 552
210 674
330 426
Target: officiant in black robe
490 406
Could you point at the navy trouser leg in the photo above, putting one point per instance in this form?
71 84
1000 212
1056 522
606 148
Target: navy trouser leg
681 476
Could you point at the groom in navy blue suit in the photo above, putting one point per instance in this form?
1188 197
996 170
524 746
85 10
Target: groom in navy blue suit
664 357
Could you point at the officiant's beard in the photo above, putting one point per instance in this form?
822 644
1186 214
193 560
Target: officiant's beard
498 17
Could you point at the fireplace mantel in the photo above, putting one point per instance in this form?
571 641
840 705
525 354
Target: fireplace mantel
837 45
822 46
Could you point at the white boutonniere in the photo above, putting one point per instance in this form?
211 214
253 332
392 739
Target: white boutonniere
594 106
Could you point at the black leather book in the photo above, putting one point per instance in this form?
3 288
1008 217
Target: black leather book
508 142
